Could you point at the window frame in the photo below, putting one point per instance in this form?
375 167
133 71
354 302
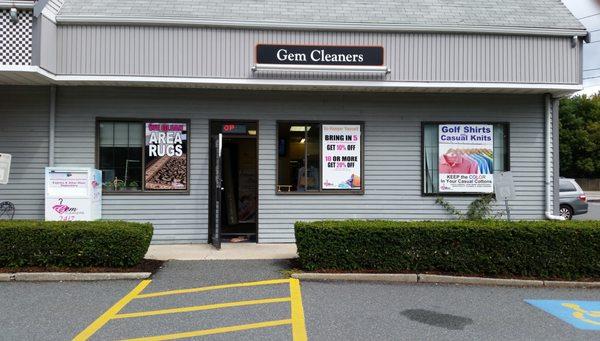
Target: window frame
462 194
143 121
322 191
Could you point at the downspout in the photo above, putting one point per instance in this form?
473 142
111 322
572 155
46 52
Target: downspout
51 126
548 181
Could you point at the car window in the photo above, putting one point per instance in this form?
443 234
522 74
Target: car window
567 186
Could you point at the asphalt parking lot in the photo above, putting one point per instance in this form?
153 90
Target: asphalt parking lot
201 299
593 212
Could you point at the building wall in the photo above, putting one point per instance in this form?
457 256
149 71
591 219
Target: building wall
229 53
391 162
24 122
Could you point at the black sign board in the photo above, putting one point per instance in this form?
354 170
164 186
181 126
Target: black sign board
319 55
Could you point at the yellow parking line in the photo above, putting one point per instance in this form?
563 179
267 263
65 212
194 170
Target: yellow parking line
298 324
215 287
202 307
214 331
110 313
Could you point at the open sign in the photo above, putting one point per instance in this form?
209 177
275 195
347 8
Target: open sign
232 128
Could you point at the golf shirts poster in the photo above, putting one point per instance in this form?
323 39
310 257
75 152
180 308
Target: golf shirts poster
466 158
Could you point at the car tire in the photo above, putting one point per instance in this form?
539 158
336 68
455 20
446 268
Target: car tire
566 212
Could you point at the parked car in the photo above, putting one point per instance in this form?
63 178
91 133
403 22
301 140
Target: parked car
572 199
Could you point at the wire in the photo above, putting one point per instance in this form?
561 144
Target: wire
592 69
587 16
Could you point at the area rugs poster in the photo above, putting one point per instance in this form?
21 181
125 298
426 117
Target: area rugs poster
166 156
341 152
466 154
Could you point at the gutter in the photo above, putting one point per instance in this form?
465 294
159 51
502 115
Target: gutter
548 181
17 4
315 26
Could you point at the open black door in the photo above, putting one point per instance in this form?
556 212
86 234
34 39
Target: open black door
217 188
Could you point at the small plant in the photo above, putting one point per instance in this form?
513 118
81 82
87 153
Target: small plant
479 209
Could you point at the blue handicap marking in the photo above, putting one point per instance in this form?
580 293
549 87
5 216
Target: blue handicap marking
579 314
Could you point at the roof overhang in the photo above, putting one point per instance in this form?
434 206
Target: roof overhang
316 26
34 75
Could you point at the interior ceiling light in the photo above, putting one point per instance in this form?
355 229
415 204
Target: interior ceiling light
299 128
14 15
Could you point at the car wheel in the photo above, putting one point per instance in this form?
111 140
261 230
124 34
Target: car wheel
566 212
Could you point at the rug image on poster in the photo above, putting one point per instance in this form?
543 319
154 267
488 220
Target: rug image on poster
165 156
466 158
341 156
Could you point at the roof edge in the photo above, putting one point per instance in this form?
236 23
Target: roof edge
557 89
316 26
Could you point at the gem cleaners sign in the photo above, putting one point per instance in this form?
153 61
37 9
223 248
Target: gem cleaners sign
466 158
341 156
319 55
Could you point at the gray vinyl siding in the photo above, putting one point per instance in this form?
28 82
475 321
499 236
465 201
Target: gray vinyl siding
392 147
229 53
47 51
24 124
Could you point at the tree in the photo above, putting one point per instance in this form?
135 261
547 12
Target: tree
580 137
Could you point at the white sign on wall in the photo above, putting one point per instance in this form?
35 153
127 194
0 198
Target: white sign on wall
341 152
504 186
5 160
466 158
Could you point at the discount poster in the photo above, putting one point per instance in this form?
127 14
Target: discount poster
341 152
466 158
165 156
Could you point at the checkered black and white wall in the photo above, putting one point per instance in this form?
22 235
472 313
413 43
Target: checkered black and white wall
16 38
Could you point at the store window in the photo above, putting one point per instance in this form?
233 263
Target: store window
143 156
120 156
461 158
319 157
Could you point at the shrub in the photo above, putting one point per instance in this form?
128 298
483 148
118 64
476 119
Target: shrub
73 244
543 249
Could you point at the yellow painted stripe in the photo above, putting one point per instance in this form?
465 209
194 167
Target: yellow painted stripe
202 307
214 331
215 287
110 313
298 324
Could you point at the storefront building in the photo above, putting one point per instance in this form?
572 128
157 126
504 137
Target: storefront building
250 115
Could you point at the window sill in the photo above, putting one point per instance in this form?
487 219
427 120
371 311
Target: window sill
325 192
142 193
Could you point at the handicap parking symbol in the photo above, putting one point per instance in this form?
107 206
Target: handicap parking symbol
579 314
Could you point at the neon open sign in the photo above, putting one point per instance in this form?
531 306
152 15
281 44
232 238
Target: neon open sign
232 128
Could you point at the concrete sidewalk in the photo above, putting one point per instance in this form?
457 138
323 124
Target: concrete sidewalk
229 251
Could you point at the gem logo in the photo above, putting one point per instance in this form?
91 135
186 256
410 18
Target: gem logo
60 208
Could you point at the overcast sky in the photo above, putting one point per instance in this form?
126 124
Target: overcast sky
588 12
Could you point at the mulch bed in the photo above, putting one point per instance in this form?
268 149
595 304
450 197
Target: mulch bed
147 265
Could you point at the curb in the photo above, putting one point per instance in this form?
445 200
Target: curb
400 278
71 276
431 279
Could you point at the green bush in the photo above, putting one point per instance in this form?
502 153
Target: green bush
73 244
543 249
